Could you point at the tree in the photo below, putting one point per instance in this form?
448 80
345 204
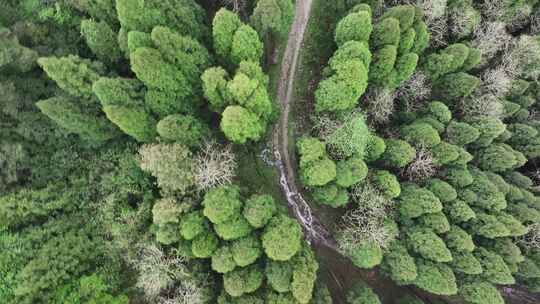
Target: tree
495 269
246 250
171 164
399 264
204 245
281 238
222 203
480 292
224 27
429 245
350 172
240 125
355 26
246 45
304 274
69 114
222 260
184 129
461 133
123 103
73 74
259 209
420 134
15 55
319 173
456 85
272 18
459 240
215 88
243 280
465 262
435 221
215 165
101 39
435 278
398 153
362 295
387 183
445 153
351 138
192 225
415 201
279 275
442 190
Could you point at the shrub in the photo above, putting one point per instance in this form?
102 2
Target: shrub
415 201
281 238
355 26
488 195
259 209
459 240
430 246
435 221
404 68
243 280
246 250
350 172
436 278
442 190
480 292
420 134
465 262
398 153
222 260
387 183
222 203
461 133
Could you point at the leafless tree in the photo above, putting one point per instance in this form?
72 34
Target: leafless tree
415 91
365 223
421 167
531 240
491 38
483 105
187 292
214 165
236 5
380 105
460 20
157 270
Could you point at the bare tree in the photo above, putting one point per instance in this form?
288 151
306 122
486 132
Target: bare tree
491 38
531 240
214 165
483 105
187 292
421 167
380 105
415 91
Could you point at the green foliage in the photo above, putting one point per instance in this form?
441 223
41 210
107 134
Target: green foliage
459 211
355 26
387 183
382 65
243 280
430 246
456 85
246 45
102 40
442 190
204 245
224 27
192 225
341 91
246 250
273 17
465 262
70 115
399 264
90 289
459 240
222 260
184 129
171 164
420 134
435 221
385 32
495 269
73 74
304 274
489 128
351 138
13 54
233 228
282 237
461 133
366 255
351 50
279 275
240 125
316 168
445 153
398 153
350 172
405 14
435 278
415 201
362 295
259 209
376 146
480 292
499 158
215 88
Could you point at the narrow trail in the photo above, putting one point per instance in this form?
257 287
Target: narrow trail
314 230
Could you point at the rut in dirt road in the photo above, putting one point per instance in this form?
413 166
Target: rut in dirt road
314 230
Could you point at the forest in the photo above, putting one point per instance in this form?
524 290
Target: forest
269 151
